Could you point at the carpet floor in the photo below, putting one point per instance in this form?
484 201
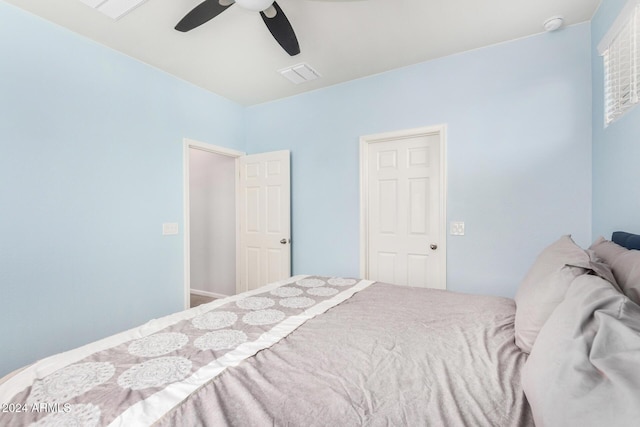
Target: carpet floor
197 300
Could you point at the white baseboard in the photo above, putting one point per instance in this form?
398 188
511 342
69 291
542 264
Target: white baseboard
207 294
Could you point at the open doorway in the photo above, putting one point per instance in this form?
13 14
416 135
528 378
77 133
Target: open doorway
210 221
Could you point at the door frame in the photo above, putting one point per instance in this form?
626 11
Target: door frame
186 145
365 143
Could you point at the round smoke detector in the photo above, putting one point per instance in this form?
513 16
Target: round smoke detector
553 23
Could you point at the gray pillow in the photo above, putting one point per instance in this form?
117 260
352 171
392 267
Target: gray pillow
624 263
583 369
626 269
602 269
606 250
544 287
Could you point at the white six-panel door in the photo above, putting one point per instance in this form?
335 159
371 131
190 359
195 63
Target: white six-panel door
264 250
403 212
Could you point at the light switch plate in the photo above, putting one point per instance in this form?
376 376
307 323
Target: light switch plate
169 228
456 228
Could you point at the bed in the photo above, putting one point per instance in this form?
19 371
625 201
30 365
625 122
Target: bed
324 351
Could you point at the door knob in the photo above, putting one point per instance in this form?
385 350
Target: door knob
284 241
433 246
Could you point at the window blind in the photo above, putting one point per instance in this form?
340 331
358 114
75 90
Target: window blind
620 50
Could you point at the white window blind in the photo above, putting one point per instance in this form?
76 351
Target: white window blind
620 50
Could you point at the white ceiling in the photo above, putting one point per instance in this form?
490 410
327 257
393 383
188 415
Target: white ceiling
235 56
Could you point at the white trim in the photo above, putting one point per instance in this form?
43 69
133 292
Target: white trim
617 25
208 294
186 145
365 141
192 143
238 205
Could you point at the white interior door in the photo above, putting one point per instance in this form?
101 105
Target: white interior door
264 209
404 227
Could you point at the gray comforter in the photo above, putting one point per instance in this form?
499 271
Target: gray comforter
389 355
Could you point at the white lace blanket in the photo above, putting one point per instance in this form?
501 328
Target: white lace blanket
135 377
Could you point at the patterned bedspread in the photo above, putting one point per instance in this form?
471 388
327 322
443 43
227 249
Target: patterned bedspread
136 377
309 351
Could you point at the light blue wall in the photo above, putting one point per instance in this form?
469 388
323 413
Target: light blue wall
616 149
90 168
519 154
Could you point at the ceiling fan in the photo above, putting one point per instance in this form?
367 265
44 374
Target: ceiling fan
271 13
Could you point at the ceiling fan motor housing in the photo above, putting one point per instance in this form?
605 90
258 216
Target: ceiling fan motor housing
255 5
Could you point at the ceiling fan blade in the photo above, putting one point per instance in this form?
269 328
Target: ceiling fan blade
200 14
282 31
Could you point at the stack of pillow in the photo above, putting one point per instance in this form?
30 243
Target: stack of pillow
578 315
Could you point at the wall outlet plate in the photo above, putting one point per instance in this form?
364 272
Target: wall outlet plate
169 228
456 228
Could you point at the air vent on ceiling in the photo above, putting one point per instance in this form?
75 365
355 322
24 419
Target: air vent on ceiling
299 73
114 9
